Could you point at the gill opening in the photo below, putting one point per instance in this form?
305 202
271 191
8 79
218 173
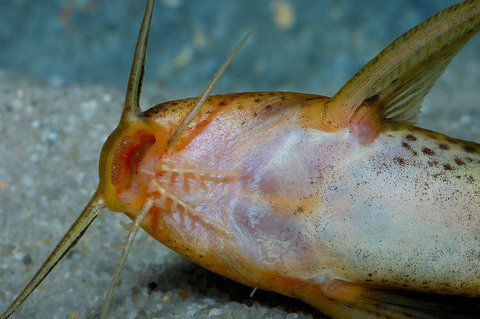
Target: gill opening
201 99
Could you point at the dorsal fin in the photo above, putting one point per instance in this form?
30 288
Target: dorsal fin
131 108
394 83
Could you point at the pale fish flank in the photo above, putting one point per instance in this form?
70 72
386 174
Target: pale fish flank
340 202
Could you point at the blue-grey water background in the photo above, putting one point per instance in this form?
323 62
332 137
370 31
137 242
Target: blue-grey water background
91 41
63 69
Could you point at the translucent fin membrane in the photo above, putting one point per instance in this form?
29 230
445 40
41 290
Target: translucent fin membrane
399 77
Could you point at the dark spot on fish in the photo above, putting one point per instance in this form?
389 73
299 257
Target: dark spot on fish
283 98
432 136
410 137
398 160
222 103
432 163
427 151
268 107
174 103
470 179
299 210
443 146
447 167
437 175
452 141
469 149
458 176
459 161
406 145
372 100
257 100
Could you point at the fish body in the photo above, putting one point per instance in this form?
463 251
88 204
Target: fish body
341 202
304 207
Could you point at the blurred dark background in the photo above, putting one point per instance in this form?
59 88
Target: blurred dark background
308 46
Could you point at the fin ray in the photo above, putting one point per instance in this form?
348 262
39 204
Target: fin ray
402 74
370 301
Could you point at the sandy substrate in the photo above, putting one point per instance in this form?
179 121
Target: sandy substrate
51 138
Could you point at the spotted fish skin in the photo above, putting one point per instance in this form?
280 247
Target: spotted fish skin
315 212
340 202
410 201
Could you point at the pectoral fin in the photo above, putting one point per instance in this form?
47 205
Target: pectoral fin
351 300
393 84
